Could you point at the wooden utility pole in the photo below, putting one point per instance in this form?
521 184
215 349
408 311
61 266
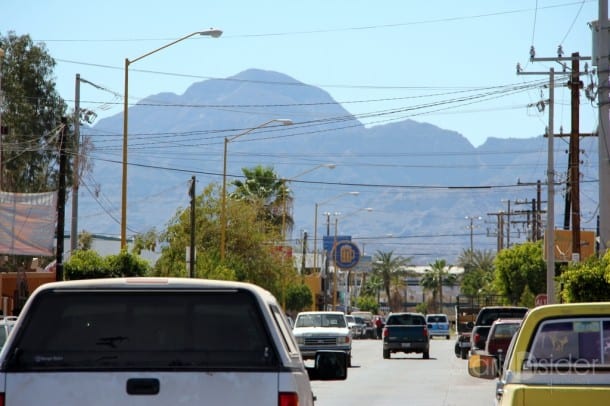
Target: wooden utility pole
61 202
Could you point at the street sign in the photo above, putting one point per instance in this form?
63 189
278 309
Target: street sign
346 254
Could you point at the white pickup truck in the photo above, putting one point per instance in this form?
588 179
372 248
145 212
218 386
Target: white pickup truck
157 341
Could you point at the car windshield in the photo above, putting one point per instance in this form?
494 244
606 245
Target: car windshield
350 319
320 320
359 320
437 319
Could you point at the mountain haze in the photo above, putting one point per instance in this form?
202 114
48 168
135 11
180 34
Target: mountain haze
421 180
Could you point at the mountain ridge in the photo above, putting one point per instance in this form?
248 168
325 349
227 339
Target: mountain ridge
424 178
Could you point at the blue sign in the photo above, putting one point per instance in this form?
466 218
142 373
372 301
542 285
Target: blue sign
329 240
346 254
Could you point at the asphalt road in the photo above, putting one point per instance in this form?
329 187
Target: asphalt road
405 379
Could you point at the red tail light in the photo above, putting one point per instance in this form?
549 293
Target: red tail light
476 338
286 399
425 332
386 332
1 399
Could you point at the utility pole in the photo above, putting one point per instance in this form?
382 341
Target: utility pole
192 246
61 202
75 169
600 48
303 259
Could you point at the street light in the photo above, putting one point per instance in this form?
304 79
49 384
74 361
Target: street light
329 166
223 208
214 33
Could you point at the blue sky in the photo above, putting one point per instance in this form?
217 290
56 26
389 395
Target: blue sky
370 56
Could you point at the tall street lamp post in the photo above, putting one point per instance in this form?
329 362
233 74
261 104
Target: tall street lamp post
223 208
214 33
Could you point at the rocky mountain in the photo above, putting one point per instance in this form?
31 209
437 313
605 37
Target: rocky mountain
421 181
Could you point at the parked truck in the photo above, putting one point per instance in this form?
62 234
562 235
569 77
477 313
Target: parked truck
466 310
560 356
406 332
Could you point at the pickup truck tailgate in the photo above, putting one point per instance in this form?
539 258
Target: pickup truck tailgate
142 388
555 395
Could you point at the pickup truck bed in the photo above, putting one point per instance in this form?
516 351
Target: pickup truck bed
407 333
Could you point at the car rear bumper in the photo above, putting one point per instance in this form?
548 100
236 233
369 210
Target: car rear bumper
407 346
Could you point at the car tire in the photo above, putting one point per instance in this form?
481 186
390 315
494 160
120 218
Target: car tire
448 337
426 355
349 359
386 354
464 354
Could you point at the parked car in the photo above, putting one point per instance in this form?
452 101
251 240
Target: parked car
500 335
361 322
356 327
369 329
560 356
322 330
485 318
157 341
438 325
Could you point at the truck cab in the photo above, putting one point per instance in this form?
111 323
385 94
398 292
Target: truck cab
559 356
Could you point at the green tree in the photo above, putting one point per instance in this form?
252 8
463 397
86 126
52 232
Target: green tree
298 297
388 267
145 241
519 268
478 271
33 113
85 239
368 303
88 264
434 279
251 254
587 281
262 186
85 264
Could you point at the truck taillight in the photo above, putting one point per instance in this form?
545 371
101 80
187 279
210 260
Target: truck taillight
476 338
386 332
286 399
1 399
425 331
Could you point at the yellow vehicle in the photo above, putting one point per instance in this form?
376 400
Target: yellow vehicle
560 356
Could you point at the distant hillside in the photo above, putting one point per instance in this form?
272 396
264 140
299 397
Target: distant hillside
419 179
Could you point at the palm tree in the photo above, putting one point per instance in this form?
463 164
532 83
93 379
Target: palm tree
263 186
478 270
388 268
435 277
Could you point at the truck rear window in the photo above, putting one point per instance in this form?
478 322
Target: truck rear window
406 320
152 329
581 342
